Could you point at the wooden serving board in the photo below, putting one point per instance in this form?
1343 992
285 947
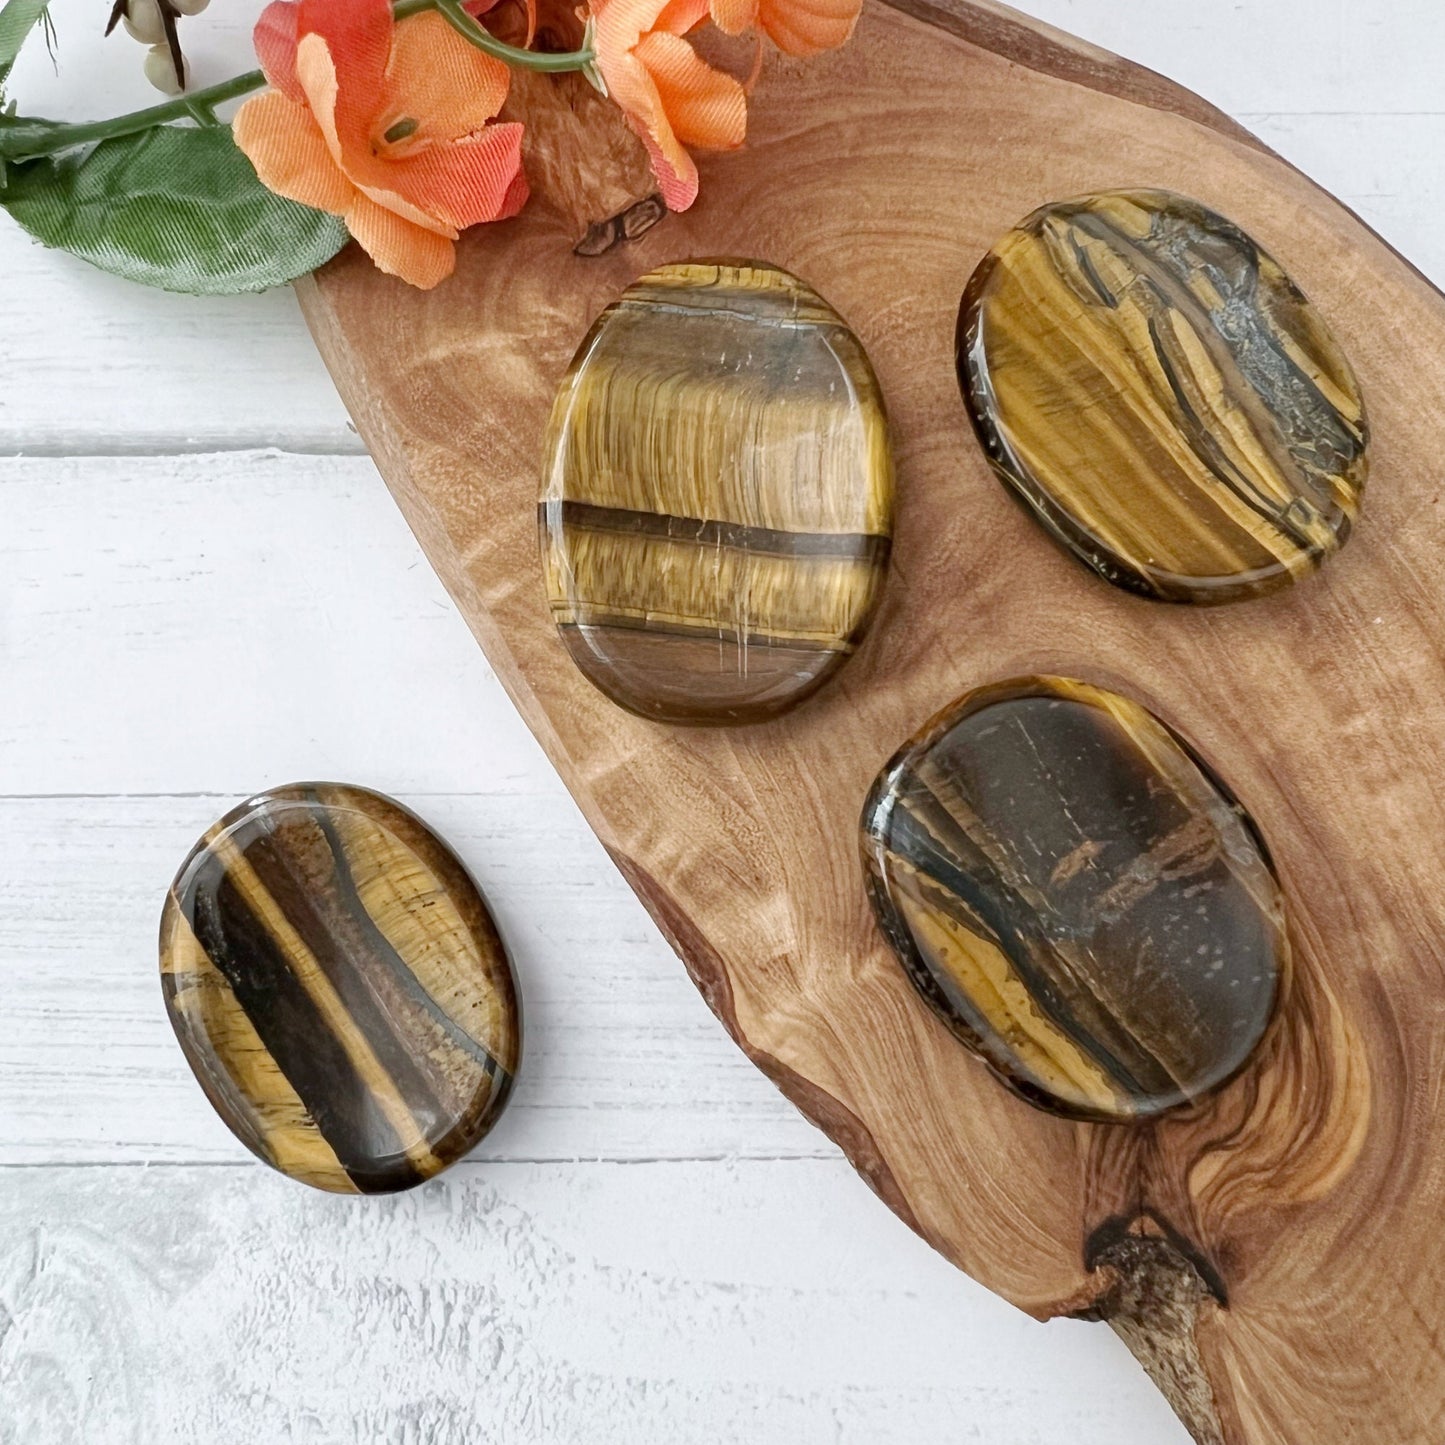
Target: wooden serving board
1276 1259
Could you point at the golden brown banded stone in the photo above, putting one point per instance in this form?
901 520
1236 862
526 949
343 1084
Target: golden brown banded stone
1162 397
718 497
1078 897
339 988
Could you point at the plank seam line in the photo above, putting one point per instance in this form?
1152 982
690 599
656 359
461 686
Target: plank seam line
224 795
1338 114
469 1166
99 449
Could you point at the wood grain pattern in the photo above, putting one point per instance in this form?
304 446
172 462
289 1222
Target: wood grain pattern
1291 1291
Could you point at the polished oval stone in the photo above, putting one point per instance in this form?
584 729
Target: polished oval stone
339 988
1161 396
718 496
1078 897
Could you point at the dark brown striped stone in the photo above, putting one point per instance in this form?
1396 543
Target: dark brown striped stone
339 988
718 497
1160 395
1078 897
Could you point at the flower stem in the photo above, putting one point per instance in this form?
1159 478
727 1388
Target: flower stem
23 138
451 11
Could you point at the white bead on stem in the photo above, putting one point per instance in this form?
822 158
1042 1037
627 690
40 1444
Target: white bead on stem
160 70
143 20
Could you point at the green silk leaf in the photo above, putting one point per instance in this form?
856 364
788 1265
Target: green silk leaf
17 19
176 207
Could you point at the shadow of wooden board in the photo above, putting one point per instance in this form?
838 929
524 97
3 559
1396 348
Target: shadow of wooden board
1275 1258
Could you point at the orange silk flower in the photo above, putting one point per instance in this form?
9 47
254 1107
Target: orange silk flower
672 98
800 27
385 124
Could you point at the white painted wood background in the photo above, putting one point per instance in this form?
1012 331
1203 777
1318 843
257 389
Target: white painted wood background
205 589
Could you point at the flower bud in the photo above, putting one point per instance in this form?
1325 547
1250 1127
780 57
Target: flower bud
189 7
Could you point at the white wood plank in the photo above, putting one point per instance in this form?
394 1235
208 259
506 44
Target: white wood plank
1302 56
88 74
93 363
217 623
1349 93
622 1060
601 1305
1247 56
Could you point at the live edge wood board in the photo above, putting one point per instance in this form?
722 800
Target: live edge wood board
1276 1257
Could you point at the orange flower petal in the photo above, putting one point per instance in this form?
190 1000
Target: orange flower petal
470 181
675 170
393 200
516 197
316 74
275 40
436 77
704 106
290 154
677 17
368 173
400 248
805 27
630 85
346 73
668 93
732 17
357 35
620 24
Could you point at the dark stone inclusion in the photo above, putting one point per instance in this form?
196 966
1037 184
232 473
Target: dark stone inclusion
1154 388
1078 897
338 987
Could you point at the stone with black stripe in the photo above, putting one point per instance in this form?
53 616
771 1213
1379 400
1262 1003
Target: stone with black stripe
339 988
1161 396
717 504
1078 897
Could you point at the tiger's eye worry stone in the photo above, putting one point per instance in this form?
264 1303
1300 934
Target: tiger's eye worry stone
339 989
1078 897
718 495
1162 398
